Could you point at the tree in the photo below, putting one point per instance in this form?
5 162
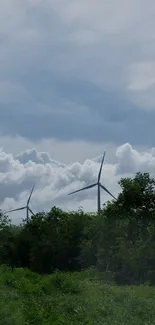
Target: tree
119 240
138 195
7 241
126 234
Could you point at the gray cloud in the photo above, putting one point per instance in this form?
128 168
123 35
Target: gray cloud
37 157
70 70
76 110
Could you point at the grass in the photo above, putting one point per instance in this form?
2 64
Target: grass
81 298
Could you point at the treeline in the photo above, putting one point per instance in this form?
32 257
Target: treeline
120 242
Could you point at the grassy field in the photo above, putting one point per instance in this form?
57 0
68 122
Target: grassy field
64 299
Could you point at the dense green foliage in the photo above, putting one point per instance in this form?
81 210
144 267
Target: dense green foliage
65 267
119 241
79 298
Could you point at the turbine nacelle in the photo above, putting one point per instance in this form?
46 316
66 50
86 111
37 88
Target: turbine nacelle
97 184
27 208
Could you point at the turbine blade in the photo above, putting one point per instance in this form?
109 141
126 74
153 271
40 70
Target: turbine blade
84 188
99 174
28 201
15 210
31 211
105 189
27 214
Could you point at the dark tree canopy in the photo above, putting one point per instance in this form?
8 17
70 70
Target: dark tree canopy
120 240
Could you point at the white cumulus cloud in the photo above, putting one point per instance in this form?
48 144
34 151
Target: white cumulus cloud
54 180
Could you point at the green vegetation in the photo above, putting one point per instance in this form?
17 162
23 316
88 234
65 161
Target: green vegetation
46 272
78 298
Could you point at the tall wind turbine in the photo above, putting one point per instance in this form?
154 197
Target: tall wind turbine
99 186
27 208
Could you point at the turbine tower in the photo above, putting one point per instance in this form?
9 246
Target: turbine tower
27 208
99 186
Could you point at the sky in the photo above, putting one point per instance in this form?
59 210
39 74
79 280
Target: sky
76 78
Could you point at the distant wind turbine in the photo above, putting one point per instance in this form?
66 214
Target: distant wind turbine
25 207
99 186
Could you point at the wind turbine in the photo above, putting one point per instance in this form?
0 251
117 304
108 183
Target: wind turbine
25 207
99 186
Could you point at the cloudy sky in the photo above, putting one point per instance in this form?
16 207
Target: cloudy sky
76 78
